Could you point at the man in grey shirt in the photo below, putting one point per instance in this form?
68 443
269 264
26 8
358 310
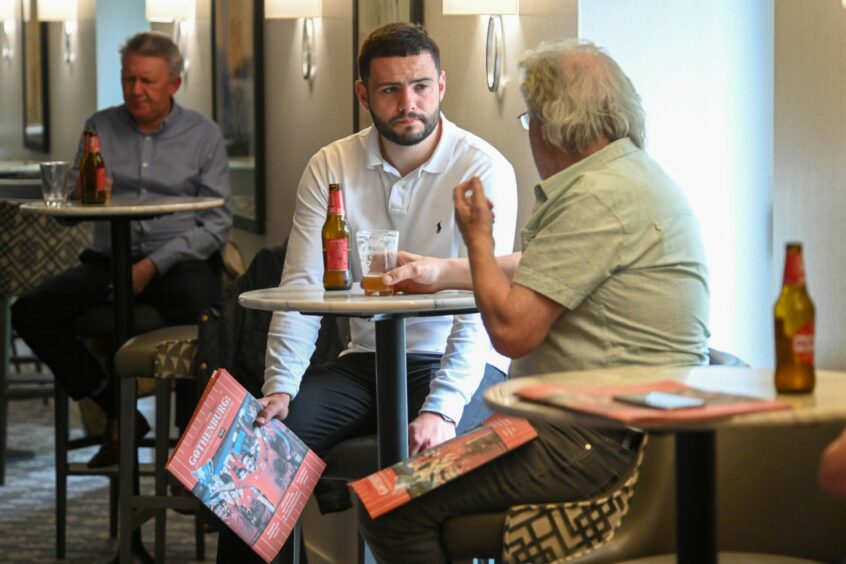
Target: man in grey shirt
151 147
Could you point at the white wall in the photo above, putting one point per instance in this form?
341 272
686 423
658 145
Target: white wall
704 71
124 19
71 91
468 102
302 116
810 158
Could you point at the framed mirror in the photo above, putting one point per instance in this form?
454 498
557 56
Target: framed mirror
367 16
36 107
238 101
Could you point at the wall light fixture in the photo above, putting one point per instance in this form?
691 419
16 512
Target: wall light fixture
495 42
290 9
64 11
181 13
7 28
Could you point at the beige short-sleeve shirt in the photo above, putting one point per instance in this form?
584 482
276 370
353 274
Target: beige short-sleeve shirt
612 238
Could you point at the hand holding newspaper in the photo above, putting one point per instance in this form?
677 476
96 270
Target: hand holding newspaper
257 480
398 484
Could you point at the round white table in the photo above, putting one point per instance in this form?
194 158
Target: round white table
695 442
119 211
388 313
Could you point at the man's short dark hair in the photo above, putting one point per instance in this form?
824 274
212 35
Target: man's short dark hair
399 39
154 44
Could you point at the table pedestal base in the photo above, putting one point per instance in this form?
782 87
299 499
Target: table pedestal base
696 518
391 391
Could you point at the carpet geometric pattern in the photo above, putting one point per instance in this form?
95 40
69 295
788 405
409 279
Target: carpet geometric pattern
27 501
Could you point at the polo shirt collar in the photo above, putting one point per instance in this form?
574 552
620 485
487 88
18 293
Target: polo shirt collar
565 178
175 111
437 163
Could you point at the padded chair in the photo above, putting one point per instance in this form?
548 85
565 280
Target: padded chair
96 328
165 354
32 247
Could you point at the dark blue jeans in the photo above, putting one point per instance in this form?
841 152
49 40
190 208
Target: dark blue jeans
44 316
337 401
562 464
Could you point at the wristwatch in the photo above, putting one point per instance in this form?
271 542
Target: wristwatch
442 416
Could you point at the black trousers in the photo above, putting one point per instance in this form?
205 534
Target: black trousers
44 316
337 401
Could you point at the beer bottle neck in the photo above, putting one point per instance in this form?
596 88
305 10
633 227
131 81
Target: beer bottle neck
336 203
93 144
794 269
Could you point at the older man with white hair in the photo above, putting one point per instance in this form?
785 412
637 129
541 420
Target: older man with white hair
612 273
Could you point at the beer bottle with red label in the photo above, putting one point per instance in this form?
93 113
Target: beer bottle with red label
92 171
794 328
336 243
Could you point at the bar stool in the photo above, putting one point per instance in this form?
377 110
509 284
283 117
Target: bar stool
96 329
32 247
164 354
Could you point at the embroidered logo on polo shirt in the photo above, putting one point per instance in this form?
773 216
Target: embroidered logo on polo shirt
439 226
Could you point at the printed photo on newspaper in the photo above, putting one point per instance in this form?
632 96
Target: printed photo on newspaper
398 484
257 480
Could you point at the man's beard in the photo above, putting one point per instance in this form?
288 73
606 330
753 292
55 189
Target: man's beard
408 138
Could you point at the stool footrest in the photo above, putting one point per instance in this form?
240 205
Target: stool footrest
146 507
82 469
163 502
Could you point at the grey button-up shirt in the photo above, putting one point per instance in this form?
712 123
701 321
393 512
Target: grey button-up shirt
186 156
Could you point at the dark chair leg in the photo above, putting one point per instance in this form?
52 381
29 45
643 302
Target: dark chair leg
162 440
113 507
62 423
128 468
5 342
199 532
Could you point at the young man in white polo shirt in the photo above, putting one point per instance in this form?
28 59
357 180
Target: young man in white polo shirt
398 174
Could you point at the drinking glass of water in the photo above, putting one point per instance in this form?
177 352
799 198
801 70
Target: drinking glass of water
54 182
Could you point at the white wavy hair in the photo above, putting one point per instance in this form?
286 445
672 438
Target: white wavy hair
580 94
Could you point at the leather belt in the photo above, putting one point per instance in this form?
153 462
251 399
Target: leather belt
628 438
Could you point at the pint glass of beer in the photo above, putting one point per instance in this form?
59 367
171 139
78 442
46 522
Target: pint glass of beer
377 251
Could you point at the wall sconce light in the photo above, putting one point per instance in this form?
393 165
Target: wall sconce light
308 9
7 28
180 12
495 43
61 11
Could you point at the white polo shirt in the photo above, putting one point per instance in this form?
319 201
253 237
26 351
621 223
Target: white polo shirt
419 206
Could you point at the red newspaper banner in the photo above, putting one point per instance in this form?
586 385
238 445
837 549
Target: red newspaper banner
398 484
256 479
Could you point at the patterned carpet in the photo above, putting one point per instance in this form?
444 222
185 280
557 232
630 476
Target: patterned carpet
27 501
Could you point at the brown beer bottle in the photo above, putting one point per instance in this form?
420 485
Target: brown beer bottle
92 171
794 328
336 243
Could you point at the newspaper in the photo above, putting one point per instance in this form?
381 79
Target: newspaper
601 401
396 485
257 480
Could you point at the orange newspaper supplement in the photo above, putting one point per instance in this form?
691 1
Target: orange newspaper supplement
601 401
256 479
398 484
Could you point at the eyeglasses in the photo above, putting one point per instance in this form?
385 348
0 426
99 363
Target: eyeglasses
524 120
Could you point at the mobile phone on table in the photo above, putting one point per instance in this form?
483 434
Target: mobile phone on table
661 400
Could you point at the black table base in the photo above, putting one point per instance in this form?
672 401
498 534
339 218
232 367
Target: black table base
391 391
696 518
